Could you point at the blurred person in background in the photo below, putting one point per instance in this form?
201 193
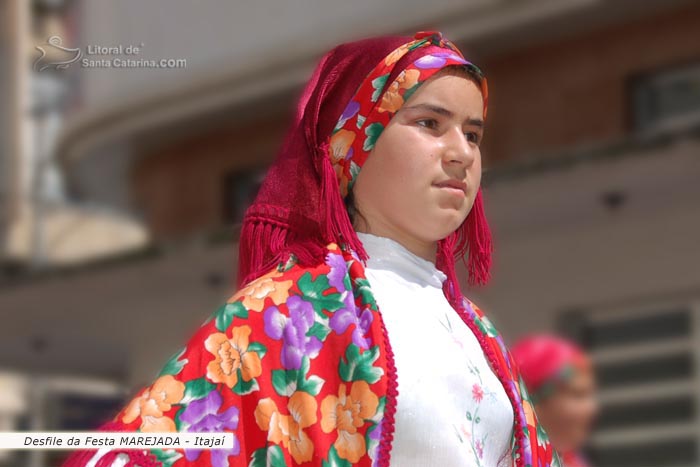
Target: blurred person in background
349 341
561 381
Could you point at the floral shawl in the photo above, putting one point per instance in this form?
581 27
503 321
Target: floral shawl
298 366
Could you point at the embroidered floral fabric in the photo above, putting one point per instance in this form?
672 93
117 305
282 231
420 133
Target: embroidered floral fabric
297 365
451 408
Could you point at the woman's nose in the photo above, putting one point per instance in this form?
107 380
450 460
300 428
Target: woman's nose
458 149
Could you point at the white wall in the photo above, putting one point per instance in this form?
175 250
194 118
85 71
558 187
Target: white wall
559 248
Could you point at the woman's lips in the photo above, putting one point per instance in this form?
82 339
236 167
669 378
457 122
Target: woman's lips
457 187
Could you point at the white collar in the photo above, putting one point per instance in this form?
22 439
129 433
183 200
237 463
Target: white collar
388 254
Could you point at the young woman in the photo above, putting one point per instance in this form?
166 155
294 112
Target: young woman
562 383
349 341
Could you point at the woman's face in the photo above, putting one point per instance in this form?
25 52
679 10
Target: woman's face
568 414
422 176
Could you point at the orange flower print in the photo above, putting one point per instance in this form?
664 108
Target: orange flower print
340 144
153 402
288 430
255 293
232 355
345 414
396 54
529 412
392 100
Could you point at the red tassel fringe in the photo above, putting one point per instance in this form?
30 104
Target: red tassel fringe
473 244
338 227
266 240
261 243
477 243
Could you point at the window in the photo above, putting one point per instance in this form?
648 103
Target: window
646 360
668 99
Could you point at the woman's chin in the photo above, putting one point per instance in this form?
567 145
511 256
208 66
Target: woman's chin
451 220
445 228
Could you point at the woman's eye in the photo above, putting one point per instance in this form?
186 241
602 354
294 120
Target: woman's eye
472 137
428 123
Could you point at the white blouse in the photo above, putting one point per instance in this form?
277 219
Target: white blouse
451 410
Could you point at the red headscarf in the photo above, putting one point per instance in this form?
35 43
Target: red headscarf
300 206
545 360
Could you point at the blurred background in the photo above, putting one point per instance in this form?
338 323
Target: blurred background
134 134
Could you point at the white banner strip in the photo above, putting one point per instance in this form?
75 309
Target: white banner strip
114 440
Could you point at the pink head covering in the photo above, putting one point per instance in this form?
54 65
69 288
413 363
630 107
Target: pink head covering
546 360
352 94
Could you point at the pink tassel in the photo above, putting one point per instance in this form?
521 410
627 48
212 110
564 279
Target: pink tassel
266 241
472 241
445 261
338 227
479 243
256 236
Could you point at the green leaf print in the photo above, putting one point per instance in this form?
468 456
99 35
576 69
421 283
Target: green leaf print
226 313
174 365
258 348
378 84
270 456
312 385
319 331
286 266
334 460
243 387
313 293
358 366
372 131
524 393
167 457
409 92
197 389
379 415
286 382
354 172
417 44
486 327
179 425
365 292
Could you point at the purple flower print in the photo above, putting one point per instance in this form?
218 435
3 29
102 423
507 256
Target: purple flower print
350 314
350 153
292 330
352 108
374 438
202 416
437 60
339 269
